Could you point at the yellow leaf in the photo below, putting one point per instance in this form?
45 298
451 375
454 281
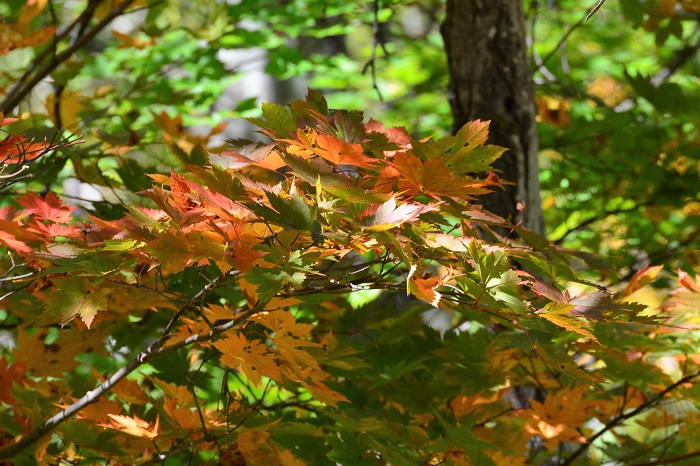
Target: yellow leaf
133 426
559 314
130 392
611 91
691 5
641 278
70 105
557 418
286 458
30 10
254 358
502 459
190 327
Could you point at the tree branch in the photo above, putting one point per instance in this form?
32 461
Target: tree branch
153 351
596 218
377 42
26 84
682 56
617 420
673 459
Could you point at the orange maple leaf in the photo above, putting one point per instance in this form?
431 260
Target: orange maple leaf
133 426
641 278
426 288
8 376
18 149
557 418
50 208
253 357
331 148
190 327
416 177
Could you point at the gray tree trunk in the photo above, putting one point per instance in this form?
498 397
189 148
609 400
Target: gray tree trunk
491 79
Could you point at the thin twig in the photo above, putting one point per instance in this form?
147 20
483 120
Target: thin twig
671 460
153 351
596 218
21 91
595 8
376 42
623 417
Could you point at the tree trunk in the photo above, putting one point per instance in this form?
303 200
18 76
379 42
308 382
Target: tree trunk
491 79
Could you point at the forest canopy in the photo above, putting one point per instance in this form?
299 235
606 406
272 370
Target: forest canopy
250 233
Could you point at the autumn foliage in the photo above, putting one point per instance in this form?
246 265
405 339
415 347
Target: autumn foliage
267 307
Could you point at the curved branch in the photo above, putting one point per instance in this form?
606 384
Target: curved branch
596 218
617 420
26 84
153 351
670 460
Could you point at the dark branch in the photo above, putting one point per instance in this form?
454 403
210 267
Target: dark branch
26 84
153 351
654 400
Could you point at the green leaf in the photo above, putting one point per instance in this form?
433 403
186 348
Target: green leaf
475 159
349 126
561 314
277 119
490 266
559 360
76 297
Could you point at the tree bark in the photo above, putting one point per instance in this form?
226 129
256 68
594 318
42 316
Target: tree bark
491 79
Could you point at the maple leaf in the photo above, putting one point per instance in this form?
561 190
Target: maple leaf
425 289
171 249
323 393
10 234
685 300
286 458
42 360
348 125
253 357
180 191
76 296
127 298
686 281
190 327
49 208
18 149
474 132
133 426
640 279
206 245
277 121
561 361
9 374
388 215
432 177
252 153
52 230
562 315
98 411
130 392
289 337
6 121
171 126
184 417
333 149
555 418
180 393
397 135
253 446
